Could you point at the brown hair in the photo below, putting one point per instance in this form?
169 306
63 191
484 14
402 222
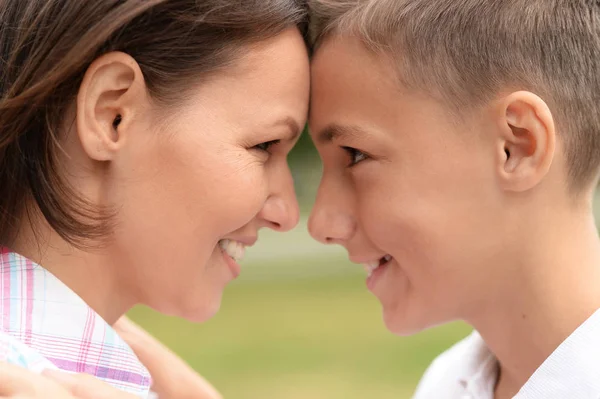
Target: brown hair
464 52
45 49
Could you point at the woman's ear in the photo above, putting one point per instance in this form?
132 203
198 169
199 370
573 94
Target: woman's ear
526 140
107 100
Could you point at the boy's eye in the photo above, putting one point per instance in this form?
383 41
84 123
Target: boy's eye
356 156
266 145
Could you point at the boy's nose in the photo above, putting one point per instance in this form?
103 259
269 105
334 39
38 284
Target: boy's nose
332 219
330 225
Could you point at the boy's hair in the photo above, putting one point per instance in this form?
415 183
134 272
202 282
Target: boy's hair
465 52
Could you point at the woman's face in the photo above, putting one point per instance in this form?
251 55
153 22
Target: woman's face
403 187
193 188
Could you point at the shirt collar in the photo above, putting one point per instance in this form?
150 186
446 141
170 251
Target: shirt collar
40 311
571 371
479 376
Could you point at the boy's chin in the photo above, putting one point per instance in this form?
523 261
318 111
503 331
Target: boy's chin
404 325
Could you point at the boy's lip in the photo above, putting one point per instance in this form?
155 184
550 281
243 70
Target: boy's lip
365 259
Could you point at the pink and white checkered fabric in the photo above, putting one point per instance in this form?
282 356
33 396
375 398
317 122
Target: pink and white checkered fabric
44 324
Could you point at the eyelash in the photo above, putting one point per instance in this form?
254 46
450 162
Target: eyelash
266 145
354 153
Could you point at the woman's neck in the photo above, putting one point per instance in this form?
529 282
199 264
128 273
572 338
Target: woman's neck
90 274
555 288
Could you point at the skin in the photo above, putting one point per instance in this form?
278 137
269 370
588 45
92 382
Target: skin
475 211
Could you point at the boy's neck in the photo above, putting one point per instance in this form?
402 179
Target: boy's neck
554 289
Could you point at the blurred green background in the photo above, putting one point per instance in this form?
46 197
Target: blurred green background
299 323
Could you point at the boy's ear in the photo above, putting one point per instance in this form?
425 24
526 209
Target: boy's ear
108 97
526 142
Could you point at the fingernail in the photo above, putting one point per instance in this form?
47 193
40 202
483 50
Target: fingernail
60 376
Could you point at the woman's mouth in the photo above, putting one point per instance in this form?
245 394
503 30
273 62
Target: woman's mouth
370 267
233 252
234 249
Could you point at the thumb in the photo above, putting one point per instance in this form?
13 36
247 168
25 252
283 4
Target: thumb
85 386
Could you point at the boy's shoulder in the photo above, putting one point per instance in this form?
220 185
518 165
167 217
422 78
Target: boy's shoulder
467 367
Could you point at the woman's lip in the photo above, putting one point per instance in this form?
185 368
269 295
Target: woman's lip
234 267
247 241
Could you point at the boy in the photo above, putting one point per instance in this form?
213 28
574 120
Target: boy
461 150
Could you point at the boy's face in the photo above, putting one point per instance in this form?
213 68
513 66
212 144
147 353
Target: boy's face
422 189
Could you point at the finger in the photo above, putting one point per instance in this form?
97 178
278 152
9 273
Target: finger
169 372
151 352
85 386
15 380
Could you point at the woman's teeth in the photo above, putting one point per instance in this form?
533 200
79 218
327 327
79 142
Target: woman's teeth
372 266
233 248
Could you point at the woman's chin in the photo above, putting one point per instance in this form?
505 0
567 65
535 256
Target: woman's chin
196 310
203 312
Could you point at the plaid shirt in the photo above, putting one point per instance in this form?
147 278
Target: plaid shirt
44 324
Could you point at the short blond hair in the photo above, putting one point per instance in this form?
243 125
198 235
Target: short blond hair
465 52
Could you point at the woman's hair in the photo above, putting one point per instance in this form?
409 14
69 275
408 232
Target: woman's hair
46 47
464 52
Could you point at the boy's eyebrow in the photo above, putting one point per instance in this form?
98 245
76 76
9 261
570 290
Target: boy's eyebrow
335 131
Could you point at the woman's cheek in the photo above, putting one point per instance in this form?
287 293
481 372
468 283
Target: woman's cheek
245 196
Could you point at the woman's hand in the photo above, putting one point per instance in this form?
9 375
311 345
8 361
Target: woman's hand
172 377
19 383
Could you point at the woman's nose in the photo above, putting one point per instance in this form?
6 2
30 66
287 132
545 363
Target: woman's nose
281 213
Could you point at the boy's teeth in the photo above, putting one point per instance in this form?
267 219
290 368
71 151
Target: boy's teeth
233 248
370 267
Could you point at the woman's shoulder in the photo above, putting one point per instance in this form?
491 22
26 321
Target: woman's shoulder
16 352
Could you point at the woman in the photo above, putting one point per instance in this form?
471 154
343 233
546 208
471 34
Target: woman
142 146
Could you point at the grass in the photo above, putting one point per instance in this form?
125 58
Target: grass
291 338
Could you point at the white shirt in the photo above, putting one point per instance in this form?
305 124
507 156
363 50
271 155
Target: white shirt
469 370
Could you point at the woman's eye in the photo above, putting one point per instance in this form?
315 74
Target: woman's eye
266 145
356 156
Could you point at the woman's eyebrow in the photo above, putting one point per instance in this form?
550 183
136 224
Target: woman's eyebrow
335 131
292 124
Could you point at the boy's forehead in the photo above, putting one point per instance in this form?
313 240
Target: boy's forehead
345 77
346 56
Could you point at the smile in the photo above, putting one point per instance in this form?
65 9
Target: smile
234 249
370 267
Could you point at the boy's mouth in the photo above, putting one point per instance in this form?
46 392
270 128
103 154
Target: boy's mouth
374 265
